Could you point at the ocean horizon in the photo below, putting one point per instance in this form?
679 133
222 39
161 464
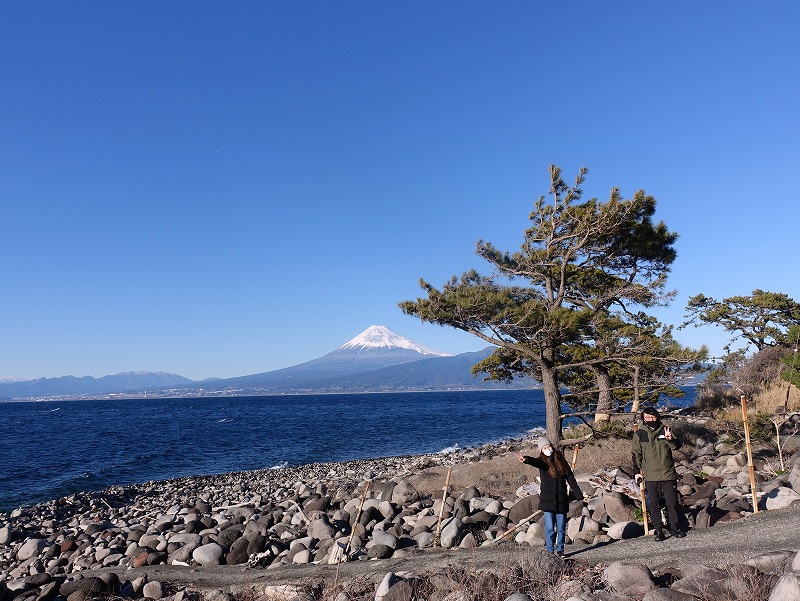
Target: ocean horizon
55 448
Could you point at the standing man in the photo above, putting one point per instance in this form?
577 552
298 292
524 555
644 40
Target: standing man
652 448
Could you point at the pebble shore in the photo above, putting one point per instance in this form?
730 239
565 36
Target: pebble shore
320 513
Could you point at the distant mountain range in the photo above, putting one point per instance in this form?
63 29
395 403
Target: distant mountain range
377 360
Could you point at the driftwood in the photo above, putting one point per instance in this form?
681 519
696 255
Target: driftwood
437 538
532 516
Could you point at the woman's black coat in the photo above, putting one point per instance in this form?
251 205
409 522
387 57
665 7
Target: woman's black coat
553 497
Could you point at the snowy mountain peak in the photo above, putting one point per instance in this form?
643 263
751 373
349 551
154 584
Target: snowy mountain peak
380 337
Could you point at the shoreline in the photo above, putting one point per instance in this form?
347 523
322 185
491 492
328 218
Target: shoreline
379 466
270 527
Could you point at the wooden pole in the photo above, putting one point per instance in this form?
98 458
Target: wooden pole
350 538
517 527
642 496
749 454
572 466
358 515
437 538
778 439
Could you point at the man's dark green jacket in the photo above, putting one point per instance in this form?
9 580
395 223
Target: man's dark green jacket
652 453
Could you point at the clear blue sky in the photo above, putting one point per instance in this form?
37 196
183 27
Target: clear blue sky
225 188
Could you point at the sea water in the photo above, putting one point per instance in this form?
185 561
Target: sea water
52 449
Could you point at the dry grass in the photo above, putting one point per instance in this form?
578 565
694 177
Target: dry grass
535 573
504 474
771 400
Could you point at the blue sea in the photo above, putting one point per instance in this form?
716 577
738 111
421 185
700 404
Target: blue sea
52 449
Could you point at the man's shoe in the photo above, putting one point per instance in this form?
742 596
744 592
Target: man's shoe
560 554
659 535
678 533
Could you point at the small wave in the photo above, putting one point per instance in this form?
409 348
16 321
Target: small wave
453 449
279 466
225 420
56 409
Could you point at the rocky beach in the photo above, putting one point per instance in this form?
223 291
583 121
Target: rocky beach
367 529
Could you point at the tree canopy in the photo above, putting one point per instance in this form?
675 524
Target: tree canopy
580 263
761 319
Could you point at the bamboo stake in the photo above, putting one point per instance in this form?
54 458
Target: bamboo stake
572 466
749 454
437 538
778 439
574 456
358 515
517 527
352 531
642 496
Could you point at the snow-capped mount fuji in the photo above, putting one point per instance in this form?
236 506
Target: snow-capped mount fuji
377 360
375 348
381 337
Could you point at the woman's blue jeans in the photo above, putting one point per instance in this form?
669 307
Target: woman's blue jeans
553 521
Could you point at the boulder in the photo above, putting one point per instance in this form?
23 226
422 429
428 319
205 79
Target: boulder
623 530
582 528
5 535
779 498
451 533
238 553
424 539
301 557
704 492
321 528
184 538
787 587
182 554
404 493
31 548
617 508
768 561
379 551
401 591
379 537
794 476
89 585
629 578
153 590
389 580
208 555
702 581
479 517
523 508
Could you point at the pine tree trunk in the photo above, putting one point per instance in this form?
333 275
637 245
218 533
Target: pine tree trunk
602 413
552 403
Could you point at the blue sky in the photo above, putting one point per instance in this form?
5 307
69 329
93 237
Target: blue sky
218 189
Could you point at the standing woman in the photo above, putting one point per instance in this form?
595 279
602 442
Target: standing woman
555 475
